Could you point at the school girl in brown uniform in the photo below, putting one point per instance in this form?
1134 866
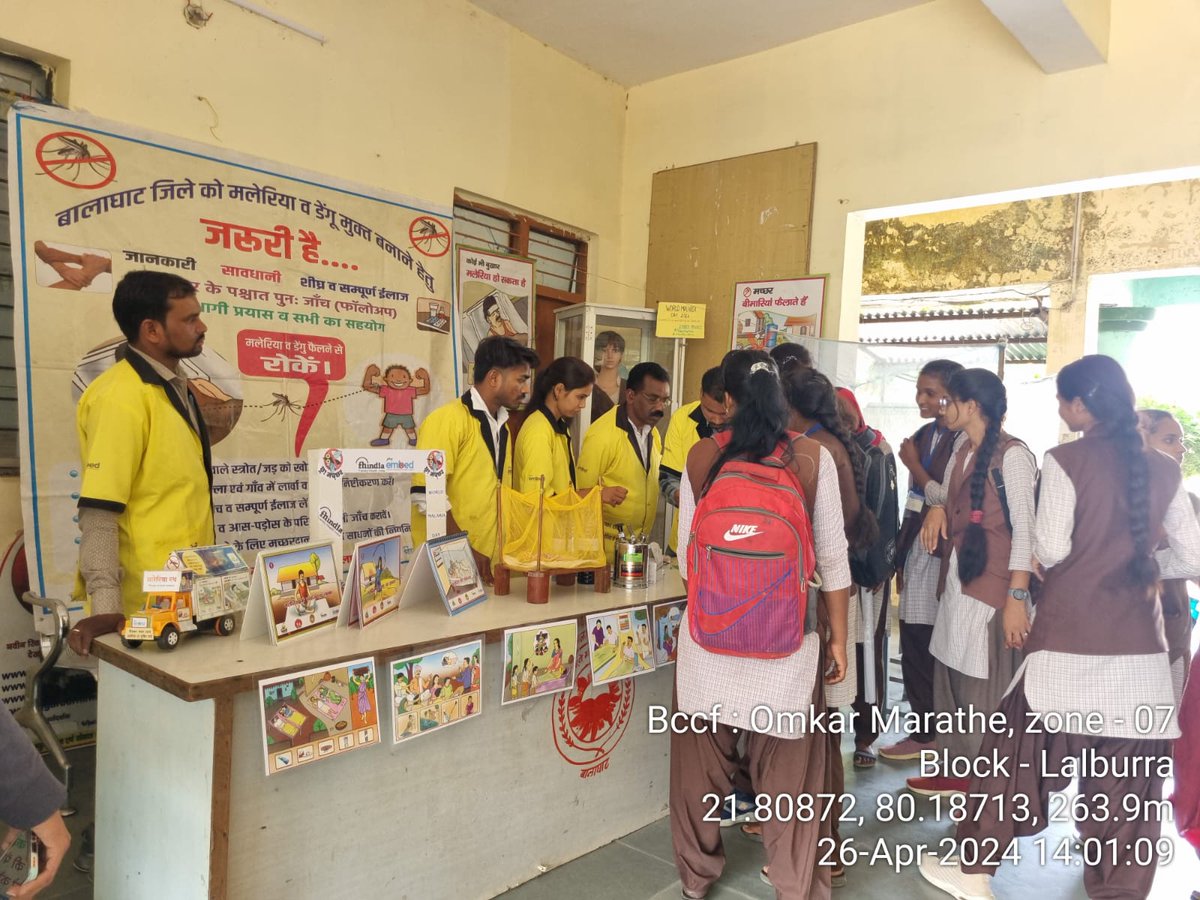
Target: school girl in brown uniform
982 617
1096 647
814 413
785 759
1163 432
925 455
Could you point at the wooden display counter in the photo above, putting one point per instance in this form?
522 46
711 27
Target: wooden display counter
185 810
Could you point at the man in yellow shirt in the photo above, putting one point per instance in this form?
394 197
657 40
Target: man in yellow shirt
147 477
472 431
623 449
689 424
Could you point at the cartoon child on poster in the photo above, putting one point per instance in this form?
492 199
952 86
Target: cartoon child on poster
398 389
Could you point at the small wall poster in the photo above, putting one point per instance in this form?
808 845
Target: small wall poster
435 690
667 617
768 313
495 295
620 644
538 659
318 713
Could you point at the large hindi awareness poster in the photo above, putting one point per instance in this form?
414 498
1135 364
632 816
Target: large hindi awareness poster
326 305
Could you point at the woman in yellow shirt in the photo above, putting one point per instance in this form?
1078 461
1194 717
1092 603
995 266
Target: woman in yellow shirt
544 442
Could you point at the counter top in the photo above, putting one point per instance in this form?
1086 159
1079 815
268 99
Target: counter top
206 666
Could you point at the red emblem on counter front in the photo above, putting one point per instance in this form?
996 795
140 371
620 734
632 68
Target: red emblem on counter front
588 723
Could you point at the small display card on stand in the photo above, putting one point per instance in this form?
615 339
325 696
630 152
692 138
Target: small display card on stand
446 566
295 590
372 582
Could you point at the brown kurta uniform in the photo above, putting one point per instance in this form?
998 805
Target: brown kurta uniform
1087 607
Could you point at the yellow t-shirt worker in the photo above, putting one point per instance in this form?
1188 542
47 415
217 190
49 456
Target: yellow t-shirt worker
472 431
146 487
622 449
689 424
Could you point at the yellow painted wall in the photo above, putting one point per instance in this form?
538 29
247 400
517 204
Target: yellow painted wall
934 102
415 97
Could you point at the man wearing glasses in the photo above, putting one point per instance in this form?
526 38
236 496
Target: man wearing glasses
623 449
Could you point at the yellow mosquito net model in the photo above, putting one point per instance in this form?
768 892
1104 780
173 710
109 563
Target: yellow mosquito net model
572 532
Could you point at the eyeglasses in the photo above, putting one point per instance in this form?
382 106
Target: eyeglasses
655 399
944 402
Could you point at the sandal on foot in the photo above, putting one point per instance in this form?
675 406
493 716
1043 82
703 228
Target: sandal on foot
753 835
864 759
838 879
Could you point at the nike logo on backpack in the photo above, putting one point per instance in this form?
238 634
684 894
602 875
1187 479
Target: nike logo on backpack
741 532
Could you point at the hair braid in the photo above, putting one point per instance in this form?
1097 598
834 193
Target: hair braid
1101 383
973 557
811 394
1143 571
987 391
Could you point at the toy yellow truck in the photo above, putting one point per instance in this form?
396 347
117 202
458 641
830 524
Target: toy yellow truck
200 590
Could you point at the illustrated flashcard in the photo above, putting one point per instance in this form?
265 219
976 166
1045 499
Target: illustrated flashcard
538 659
318 713
373 581
666 618
619 644
301 587
447 564
436 689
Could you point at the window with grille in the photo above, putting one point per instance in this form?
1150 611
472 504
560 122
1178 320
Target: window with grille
561 256
20 79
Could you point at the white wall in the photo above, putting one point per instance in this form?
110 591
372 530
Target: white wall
934 102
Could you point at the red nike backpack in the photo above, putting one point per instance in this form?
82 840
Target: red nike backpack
750 559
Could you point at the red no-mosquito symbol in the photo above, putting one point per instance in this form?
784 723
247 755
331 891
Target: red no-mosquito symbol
429 236
76 160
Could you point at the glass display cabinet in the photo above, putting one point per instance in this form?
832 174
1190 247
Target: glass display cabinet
586 330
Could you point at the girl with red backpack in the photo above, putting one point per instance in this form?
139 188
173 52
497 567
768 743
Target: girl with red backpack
760 521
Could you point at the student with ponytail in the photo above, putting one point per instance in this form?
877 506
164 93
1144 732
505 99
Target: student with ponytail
925 455
815 414
984 508
787 757
1095 654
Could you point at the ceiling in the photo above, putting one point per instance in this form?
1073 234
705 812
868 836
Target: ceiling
635 41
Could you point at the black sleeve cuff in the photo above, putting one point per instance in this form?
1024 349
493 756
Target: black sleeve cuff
93 503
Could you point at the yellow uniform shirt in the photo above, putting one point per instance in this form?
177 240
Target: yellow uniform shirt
143 459
472 484
611 455
687 426
543 449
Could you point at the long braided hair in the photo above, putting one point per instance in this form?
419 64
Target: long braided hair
987 390
1100 382
811 394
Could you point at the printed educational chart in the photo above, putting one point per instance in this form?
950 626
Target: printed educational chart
435 690
373 581
667 617
538 659
495 296
300 590
328 306
620 644
318 713
768 313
